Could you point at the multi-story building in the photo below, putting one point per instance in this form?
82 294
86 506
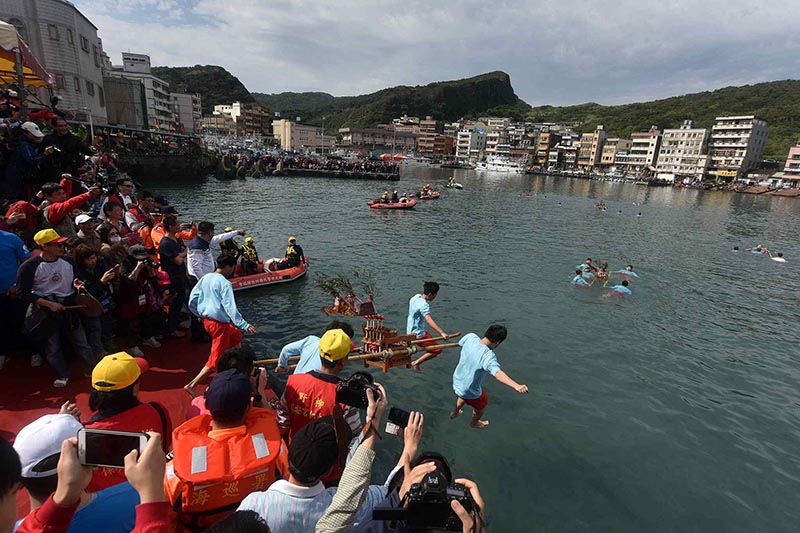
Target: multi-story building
378 138
546 141
642 155
66 44
250 119
301 137
736 146
126 103
683 151
188 112
591 148
611 148
792 167
219 124
470 144
160 115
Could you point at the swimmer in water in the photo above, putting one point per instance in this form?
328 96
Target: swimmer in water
579 281
602 274
559 203
779 258
619 290
639 215
626 273
735 248
619 212
760 250
587 264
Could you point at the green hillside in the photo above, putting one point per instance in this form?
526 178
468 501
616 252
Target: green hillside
777 102
214 84
449 100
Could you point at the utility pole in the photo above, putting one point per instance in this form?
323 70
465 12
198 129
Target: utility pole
322 139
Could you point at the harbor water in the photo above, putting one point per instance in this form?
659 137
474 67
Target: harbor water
674 409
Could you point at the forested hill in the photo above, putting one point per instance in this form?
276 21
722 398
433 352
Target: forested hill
214 84
777 102
487 94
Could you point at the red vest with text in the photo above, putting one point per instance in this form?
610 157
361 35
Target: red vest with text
309 398
215 475
141 418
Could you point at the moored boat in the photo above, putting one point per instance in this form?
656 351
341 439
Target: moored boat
392 205
268 274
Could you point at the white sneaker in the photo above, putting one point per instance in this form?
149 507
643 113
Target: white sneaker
36 360
134 351
152 342
60 383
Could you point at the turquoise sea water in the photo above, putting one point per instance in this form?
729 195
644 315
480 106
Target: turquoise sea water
676 409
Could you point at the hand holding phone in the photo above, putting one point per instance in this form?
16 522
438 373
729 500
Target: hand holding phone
73 475
145 470
103 447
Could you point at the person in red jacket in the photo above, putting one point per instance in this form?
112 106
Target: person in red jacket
115 386
57 206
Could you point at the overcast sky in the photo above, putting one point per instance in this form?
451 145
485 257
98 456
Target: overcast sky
557 52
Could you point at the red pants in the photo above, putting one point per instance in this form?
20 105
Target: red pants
223 336
431 343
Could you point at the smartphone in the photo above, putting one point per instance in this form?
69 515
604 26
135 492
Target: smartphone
398 419
104 447
116 268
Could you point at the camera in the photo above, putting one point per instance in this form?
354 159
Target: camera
427 503
149 262
353 390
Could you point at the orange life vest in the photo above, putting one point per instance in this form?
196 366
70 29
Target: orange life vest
214 476
144 417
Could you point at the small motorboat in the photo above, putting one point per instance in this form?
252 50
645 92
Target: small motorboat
433 195
454 185
268 274
392 205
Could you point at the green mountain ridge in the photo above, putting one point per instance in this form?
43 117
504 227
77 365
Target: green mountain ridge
489 93
777 102
214 84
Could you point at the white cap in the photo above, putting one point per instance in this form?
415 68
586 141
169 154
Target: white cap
41 439
33 129
83 217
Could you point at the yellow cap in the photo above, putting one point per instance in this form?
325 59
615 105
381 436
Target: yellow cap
248 239
117 371
292 239
47 236
334 345
228 229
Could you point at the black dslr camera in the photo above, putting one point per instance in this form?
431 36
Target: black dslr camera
149 262
426 506
353 390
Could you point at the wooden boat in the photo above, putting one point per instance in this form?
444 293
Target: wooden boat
268 274
392 205
791 193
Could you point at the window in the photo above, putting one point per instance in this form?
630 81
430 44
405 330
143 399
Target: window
60 83
70 37
89 88
84 44
77 81
52 30
101 95
96 56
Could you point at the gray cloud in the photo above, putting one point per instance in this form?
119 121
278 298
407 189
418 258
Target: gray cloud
558 53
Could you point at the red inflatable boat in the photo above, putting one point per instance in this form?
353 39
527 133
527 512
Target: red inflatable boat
393 205
267 275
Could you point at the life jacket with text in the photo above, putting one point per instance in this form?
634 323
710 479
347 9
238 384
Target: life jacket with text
142 418
214 475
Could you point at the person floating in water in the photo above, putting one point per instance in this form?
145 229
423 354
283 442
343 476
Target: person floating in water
760 250
587 265
580 281
779 258
602 273
627 272
620 290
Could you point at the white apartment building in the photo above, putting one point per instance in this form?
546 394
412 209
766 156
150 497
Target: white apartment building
66 44
470 144
496 132
643 152
736 145
300 137
160 115
188 112
683 151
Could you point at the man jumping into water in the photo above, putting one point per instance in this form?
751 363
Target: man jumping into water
476 360
419 314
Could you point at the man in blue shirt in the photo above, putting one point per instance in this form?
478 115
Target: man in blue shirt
419 314
478 359
627 272
308 350
620 290
12 252
579 281
212 300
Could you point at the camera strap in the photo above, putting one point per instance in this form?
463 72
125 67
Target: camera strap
341 434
